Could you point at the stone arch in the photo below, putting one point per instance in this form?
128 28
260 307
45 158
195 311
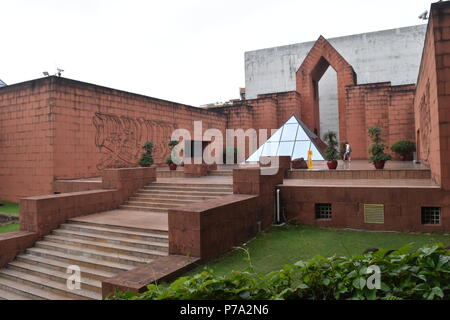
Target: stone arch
320 57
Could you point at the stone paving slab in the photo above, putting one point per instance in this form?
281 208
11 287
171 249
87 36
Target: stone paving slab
128 218
377 183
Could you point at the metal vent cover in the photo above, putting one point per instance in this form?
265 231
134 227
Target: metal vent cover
374 213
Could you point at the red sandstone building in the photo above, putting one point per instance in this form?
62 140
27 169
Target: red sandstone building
84 141
55 128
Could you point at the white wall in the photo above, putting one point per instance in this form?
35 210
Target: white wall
389 55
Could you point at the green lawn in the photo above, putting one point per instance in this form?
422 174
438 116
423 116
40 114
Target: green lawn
9 208
284 245
9 227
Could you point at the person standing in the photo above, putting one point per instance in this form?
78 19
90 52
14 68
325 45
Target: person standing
348 152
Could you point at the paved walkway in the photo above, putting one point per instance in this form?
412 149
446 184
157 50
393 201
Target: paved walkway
376 183
366 165
128 218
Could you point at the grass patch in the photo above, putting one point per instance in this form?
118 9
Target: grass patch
274 248
9 227
10 208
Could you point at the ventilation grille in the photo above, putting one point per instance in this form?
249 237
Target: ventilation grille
323 211
431 215
374 213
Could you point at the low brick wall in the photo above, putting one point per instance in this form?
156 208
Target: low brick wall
13 243
160 270
42 214
211 228
65 186
402 207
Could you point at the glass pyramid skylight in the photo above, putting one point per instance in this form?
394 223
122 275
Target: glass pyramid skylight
293 139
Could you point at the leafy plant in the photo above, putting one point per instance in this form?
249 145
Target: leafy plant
331 152
376 150
422 274
147 157
404 147
172 144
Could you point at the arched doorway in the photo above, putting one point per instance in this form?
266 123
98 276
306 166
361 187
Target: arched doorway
319 59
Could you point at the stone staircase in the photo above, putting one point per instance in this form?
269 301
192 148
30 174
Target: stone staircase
160 197
101 251
221 173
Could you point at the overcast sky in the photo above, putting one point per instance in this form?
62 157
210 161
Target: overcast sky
187 51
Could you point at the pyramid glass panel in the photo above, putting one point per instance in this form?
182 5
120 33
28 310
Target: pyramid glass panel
270 149
285 148
293 139
276 136
301 149
289 132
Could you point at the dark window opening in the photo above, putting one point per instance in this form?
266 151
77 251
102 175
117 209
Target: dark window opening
431 215
323 211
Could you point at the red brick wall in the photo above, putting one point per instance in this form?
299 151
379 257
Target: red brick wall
432 100
56 128
401 114
402 207
26 139
382 105
118 115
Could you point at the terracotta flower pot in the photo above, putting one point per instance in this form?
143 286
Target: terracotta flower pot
332 165
173 166
379 165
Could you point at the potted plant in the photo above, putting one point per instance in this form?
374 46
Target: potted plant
376 150
172 166
169 160
147 157
331 152
404 149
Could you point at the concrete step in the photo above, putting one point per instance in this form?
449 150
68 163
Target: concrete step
10 295
48 285
188 188
190 185
220 173
141 208
163 200
82 261
154 204
108 248
61 277
129 232
52 264
184 192
174 197
78 251
28 292
118 240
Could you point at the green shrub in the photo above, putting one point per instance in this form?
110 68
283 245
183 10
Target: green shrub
404 147
376 150
405 274
171 160
331 152
147 158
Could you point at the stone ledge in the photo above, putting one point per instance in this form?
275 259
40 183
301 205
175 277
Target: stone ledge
161 270
213 203
12 243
